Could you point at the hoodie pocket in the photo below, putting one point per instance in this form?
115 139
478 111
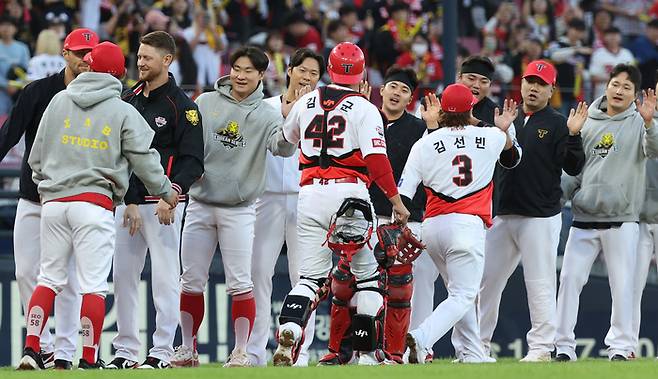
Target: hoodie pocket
217 187
600 200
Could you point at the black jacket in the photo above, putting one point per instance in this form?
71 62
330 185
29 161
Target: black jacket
176 121
24 119
400 136
533 187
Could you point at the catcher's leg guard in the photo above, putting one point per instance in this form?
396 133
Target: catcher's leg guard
398 309
367 324
343 286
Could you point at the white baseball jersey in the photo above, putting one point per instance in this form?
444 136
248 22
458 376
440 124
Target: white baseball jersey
456 166
338 124
281 173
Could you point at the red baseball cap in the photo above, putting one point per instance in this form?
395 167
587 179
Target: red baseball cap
542 69
457 98
81 39
108 58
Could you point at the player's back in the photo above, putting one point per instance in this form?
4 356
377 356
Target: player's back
338 127
456 166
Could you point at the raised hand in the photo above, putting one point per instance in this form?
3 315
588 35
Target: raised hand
365 89
430 111
648 106
577 118
503 120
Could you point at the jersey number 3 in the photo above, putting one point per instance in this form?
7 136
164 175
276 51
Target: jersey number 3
465 165
335 127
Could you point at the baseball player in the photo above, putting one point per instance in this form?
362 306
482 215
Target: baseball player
24 120
619 135
276 214
647 247
342 151
455 164
527 224
87 142
145 222
238 128
476 73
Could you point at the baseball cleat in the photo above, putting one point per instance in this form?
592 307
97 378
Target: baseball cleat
152 363
416 352
84 365
562 358
121 364
618 358
537 356
185 357
63 364
238 358
31 360
48 359
330 359
283 354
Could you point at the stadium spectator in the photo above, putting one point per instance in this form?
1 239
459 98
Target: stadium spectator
337 32
602 21
540 17
607 57
47 59
207 40
302 34
12 52
275 75
645 50
628 14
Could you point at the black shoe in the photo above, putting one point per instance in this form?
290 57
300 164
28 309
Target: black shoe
562 358
121 364
618 358
31 360
63 364
153 363
48 359
84 365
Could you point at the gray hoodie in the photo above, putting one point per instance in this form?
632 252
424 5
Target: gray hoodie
649 212
89 140
612 184
237 135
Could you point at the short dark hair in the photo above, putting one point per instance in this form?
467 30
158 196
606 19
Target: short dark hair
408 71
633 73
334 25
577 24
612 30
451 120
160 40
346 9
255 55
653 23
300 55
295 17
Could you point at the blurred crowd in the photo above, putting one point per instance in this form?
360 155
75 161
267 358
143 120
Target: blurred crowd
585 39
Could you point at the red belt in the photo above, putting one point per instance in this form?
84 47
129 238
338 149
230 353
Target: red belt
323 181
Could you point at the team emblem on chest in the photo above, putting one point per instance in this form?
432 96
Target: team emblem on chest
160 121
605 145
230 136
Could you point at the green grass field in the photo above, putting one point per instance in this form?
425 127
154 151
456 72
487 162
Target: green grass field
505 369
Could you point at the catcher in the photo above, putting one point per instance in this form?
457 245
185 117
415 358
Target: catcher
455 164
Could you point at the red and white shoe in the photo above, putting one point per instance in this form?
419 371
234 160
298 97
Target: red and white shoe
185 357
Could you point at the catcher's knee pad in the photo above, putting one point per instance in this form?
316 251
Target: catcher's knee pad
343 284
366 332
399 290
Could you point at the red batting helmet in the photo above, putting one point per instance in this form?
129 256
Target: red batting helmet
346 64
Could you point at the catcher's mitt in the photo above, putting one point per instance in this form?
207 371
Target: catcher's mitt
396 242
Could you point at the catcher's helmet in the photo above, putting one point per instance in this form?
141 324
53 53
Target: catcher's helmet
346 64
350 228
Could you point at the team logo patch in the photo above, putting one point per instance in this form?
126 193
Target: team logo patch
192 116
160 121
605 145
230 136
378 142
380 131
541 133
540 67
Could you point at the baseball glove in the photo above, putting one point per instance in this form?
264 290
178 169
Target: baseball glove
396 242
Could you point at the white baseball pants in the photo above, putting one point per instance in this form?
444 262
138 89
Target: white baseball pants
162 242
231 227
583 247
276 223
647 248
80 231
27 254
455 242
512 239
